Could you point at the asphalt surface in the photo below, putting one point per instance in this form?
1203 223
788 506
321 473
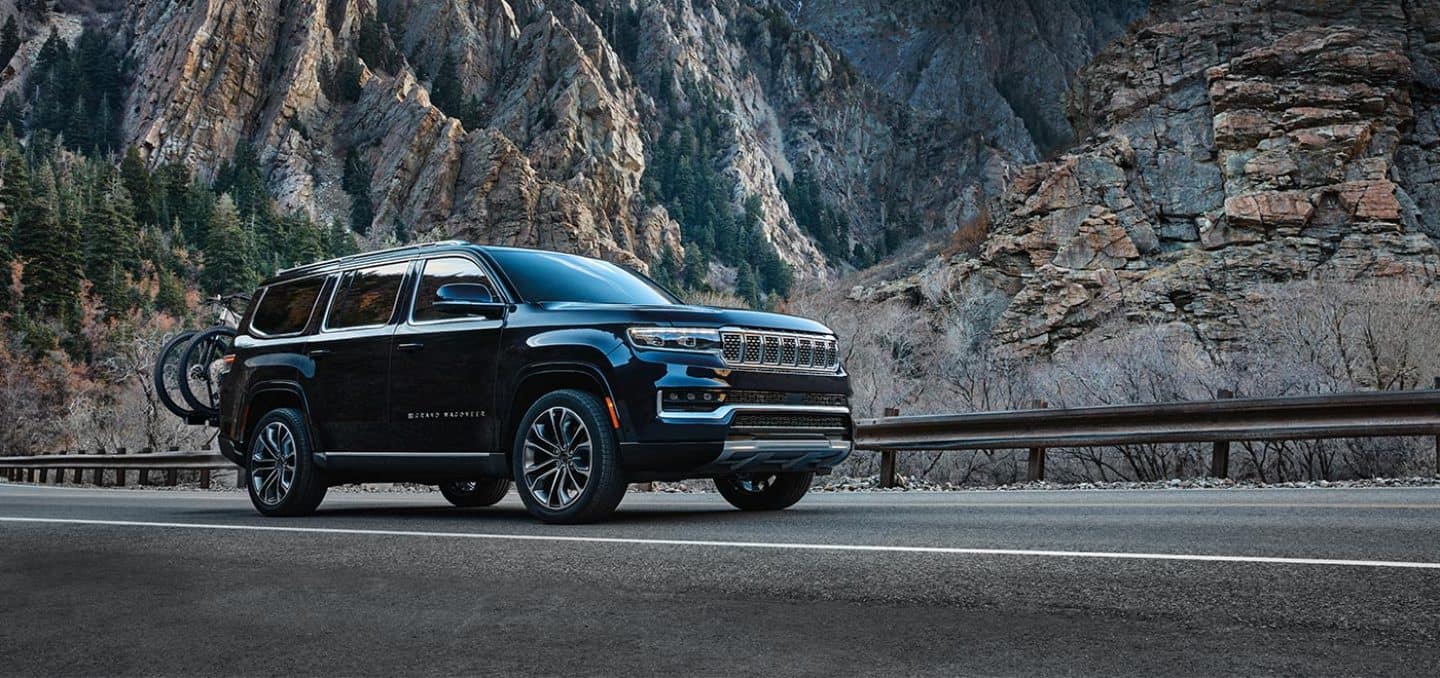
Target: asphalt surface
111 582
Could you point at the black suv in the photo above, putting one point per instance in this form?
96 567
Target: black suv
468 366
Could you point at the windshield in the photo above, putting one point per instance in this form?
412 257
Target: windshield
550 276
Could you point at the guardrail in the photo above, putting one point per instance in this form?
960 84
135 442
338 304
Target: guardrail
1220 421
37 468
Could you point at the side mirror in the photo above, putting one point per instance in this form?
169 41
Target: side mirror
467 299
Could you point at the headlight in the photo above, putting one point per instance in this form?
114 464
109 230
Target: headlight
676 338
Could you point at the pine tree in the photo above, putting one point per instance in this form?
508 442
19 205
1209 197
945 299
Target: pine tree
228 265
695 269
140 186
663 271
170 295
53 269
446 91
17 200
112 246
12 112
9 40
746 286
340 241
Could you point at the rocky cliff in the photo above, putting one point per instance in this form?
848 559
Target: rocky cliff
1227 144
560 121
540 122
996 67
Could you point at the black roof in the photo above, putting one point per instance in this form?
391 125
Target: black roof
387 255
378 256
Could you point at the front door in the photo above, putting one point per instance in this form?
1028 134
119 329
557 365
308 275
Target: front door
442 366
351 354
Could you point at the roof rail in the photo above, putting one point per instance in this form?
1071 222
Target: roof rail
362 255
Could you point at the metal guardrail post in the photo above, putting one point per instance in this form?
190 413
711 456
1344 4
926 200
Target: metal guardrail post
1437 439
99 472
889 477
1035 464
1220 454
119 472
172 475
145 473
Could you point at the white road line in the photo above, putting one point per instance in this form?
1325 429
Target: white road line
867 548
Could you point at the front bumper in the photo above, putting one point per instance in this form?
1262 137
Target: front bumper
742 439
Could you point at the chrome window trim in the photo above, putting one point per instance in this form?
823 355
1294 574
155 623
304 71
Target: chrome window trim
420 278
325 327
261 334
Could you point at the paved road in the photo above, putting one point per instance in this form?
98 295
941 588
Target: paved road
1318 582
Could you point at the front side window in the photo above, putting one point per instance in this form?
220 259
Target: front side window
366 297
441 272
551 276
285 307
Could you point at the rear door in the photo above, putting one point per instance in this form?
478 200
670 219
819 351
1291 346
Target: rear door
442 367
351 354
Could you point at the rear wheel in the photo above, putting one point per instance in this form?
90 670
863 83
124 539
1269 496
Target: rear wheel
764 491
281 474
467 493
167 374
566 459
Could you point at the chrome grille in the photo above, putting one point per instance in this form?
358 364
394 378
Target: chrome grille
779 350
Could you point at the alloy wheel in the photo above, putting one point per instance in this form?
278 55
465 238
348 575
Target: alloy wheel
557 457
272 463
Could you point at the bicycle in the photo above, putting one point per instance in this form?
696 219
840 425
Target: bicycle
191 363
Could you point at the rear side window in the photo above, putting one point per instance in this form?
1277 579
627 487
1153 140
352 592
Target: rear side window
441 272
366 297
285 307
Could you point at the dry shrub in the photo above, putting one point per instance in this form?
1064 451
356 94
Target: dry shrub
969 235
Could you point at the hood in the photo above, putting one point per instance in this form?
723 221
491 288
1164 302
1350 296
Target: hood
698 316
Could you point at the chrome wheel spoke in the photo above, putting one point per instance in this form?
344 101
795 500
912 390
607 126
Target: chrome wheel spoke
556 457
273 463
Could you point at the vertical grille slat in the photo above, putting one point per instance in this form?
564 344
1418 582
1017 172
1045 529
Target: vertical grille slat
781 350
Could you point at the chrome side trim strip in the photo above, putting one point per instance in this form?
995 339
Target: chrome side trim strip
413 455
723 412
741 446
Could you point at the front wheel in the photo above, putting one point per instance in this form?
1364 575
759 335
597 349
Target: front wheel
566 459
470 493
764 492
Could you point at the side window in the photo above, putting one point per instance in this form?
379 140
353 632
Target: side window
441 272
366 297
285 307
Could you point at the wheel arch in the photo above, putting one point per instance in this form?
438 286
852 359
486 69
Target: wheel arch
269 396
539 380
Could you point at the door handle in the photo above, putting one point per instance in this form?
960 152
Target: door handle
319 352
412 346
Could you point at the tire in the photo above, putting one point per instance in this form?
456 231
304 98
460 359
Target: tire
471 493
283 433
199 375
167 374
557 500
764 492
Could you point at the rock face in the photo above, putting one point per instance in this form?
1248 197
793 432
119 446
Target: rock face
1229 144
560 123
213 74
998 68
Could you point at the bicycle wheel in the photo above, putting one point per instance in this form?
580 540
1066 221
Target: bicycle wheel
167 373
201 369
